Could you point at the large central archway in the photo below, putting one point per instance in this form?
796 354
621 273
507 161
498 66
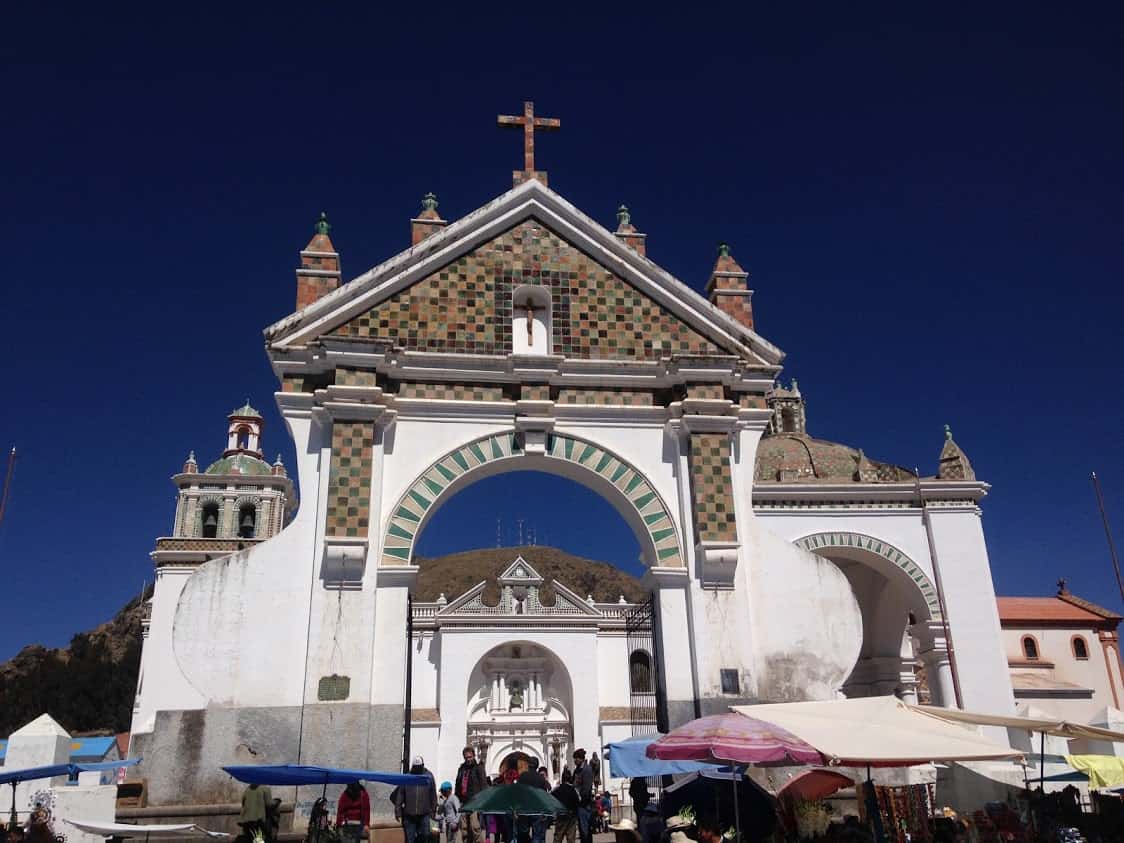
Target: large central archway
602 471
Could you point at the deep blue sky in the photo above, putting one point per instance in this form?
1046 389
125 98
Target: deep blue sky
928 197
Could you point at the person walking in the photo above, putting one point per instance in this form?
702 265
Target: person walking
353 812
470 781
640 795
566 823
583 783
256 802
450 809
415 804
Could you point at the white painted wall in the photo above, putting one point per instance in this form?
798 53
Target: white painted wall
94 803
37 744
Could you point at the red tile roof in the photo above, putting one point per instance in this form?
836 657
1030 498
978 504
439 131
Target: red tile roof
1058 609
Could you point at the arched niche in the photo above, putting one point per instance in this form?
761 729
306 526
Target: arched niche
618 482
531 323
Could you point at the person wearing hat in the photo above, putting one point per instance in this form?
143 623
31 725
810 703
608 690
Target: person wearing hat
678 828
625 831
583 782
415 804
450 812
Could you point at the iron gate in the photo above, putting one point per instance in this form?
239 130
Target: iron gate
647 698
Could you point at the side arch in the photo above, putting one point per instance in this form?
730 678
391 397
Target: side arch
819 542
620 483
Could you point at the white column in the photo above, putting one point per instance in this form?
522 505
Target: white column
503 693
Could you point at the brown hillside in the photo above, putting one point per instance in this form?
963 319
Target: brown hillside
456 573
87 686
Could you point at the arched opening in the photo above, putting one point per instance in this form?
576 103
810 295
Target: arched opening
519 729
244 437
1080 648
1030 648
640 672
612 479
896 600
788 420
247 521
209 521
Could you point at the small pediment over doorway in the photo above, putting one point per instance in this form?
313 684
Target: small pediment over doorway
520 590
520 572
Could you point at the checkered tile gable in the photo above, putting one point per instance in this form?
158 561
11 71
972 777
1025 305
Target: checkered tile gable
466 306
711 487
349 482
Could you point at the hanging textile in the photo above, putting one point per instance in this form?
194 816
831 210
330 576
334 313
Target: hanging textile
906 810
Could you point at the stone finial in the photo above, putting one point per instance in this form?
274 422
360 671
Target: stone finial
428 222
728 287
621 601
1063 588
279 468
319 272
626 232
442 600
190 466
589 599
795 387
953 464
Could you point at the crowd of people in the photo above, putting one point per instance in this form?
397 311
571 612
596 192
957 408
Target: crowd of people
436 814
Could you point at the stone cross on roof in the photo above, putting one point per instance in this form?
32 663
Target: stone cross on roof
529 122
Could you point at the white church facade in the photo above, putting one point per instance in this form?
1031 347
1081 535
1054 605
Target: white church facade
527 336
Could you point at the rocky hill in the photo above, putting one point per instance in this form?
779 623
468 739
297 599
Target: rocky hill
90 684
86 686
456 573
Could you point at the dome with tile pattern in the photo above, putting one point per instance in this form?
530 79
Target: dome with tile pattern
795 457
239 464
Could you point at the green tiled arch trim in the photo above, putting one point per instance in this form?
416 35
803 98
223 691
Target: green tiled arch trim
410 511
820 541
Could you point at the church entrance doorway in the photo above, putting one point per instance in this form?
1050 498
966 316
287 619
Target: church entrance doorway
518 762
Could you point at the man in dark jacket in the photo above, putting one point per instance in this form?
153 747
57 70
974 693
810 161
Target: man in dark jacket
469 782
583 782
415 804
566 823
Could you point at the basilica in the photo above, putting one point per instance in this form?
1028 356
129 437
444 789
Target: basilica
528 335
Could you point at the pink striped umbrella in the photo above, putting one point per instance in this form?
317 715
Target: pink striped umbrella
734 739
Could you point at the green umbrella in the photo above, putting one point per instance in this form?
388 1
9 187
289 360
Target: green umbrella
518 799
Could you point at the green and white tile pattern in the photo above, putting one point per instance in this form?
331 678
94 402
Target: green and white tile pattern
821 541
410 511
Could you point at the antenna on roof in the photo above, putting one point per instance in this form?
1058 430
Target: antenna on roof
519 521
499 533
7 483
1107 532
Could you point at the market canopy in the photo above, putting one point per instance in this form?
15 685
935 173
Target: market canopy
813 785
627 758
734 738
51 770
878 731
298 774
1051 726
124 830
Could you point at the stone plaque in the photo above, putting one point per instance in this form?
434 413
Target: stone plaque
333 688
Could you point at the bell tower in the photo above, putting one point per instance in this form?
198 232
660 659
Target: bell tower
238 500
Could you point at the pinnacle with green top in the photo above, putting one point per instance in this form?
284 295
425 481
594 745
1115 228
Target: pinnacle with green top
429 202
948 432
623 216
322 227
246 410
723 250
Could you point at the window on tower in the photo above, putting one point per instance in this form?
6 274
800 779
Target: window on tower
1030 648
247 521
244 438
210 521
788 420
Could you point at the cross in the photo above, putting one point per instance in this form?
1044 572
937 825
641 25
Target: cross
529 122
530 308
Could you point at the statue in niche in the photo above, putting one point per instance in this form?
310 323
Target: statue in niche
516 701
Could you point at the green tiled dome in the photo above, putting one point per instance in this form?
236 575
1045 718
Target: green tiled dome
247 410
239 464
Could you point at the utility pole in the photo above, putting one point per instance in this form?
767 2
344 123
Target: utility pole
1107 534
7 483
